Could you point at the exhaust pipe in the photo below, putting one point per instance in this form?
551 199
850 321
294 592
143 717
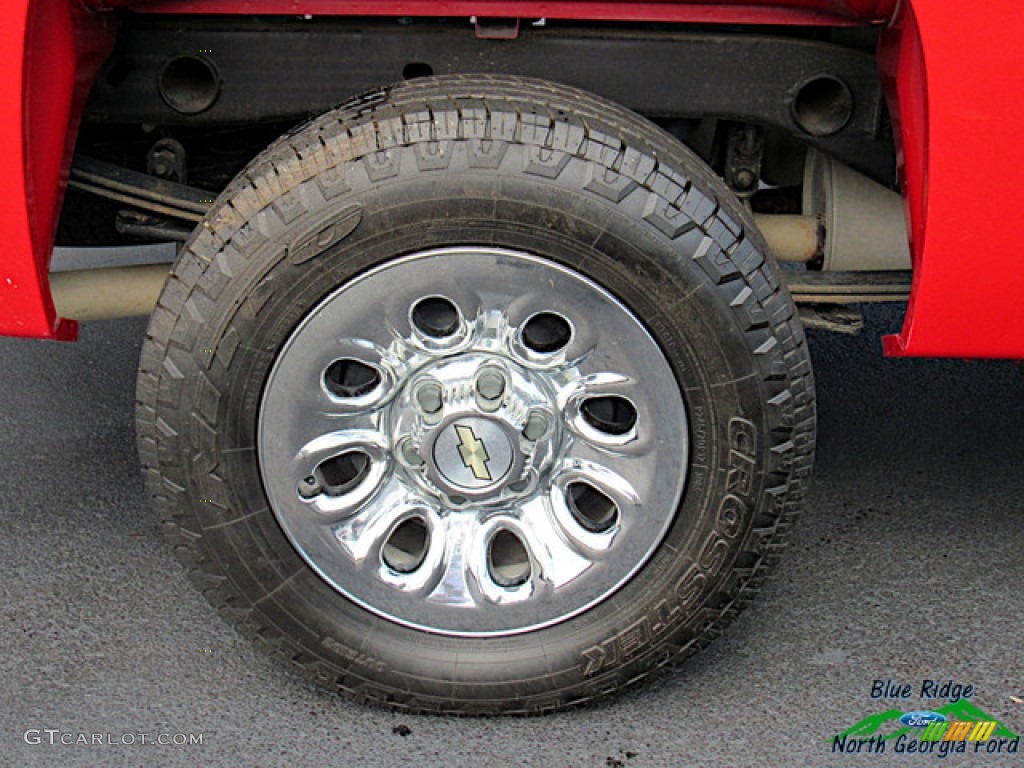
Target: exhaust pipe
864 225
849 222
792 238
108 293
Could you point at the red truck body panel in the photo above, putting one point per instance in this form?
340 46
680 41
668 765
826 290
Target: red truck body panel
48 55
954 77
809 12
951 74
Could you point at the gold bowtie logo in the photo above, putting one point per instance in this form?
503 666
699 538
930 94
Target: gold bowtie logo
473 452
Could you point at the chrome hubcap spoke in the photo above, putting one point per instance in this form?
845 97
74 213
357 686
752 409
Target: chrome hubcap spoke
336 473
558 561
473 441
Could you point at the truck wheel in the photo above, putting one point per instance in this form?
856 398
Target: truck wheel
477 395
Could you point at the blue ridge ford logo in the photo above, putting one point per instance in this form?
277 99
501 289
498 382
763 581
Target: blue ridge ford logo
922 718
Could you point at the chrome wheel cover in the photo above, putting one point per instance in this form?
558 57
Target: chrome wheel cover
473 442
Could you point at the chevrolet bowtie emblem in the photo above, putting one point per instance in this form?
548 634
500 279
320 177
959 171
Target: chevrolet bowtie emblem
473 452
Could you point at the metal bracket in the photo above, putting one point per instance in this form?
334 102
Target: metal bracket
744 150
832 317
488 28
167 160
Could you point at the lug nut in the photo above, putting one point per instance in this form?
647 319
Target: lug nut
409 454
536 426
490 386
428 397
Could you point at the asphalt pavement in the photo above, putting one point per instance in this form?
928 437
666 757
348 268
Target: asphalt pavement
906 568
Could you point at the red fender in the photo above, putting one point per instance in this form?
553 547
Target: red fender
49 53
953 75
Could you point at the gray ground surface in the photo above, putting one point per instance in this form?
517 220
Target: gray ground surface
907 566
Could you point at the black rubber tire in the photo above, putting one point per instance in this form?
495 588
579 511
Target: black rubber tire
525 165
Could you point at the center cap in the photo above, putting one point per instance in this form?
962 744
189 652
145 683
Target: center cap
473 453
